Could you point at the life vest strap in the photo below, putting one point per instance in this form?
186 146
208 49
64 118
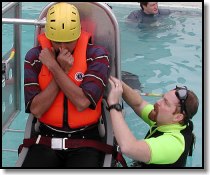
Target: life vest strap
67 143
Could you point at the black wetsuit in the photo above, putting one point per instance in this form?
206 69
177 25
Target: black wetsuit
140 16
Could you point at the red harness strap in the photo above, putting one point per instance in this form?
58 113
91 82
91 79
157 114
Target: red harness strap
65 143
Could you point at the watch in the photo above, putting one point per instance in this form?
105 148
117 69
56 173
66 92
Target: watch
117 106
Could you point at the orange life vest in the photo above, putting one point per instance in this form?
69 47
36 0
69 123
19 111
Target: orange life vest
54 115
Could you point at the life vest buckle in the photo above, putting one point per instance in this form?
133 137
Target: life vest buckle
58 143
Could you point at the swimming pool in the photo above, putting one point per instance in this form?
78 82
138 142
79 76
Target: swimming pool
163 54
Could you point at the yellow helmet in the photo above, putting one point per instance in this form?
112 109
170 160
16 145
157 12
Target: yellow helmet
63 23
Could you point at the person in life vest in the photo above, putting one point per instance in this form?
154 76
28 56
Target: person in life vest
64 82
170 138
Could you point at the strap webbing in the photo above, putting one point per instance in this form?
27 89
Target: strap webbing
78 143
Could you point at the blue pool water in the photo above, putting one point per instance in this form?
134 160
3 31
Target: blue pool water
163 53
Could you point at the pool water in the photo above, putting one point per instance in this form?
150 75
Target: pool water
162 53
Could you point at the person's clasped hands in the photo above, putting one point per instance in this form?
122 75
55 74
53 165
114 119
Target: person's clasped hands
64 58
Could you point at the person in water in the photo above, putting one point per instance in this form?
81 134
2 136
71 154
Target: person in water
148 11
170 138
63 89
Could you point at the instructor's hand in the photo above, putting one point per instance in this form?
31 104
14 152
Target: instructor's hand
115 92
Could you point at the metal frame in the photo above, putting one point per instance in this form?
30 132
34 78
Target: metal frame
16 6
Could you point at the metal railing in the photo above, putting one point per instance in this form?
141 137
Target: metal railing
11 72
12 58
23 21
